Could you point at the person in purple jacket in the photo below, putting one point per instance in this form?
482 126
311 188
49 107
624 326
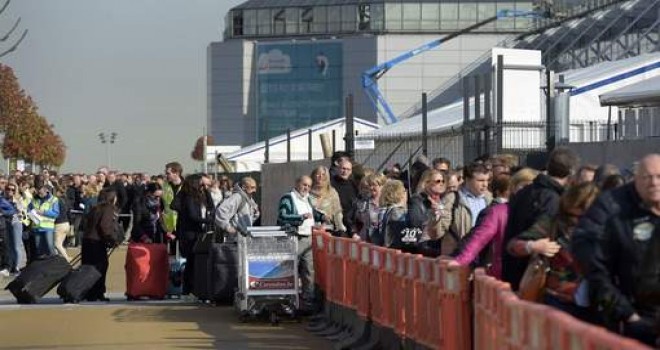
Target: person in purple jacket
492 223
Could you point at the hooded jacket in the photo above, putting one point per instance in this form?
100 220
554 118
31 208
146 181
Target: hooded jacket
238 211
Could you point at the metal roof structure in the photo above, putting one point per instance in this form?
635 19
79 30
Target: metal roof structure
642 94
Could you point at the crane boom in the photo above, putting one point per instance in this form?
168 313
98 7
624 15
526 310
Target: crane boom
370 77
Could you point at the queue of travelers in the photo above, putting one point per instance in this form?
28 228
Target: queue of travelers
594 227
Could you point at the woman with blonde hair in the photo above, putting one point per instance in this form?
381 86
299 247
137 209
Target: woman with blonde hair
396 231
325 198
365 216
425 209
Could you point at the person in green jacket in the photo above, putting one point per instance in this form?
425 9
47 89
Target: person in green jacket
296 209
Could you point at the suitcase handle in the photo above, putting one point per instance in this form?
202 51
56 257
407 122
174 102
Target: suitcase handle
77 260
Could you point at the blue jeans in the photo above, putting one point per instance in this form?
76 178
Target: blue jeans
14 247
44 243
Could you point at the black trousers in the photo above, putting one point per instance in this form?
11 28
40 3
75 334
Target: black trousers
94 253
186 245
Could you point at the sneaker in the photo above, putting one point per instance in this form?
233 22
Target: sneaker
5 273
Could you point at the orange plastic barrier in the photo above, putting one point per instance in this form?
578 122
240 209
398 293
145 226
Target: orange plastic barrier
455 306
423 296
399 294
410 295
352 267
376 293
364 289
319 241
389 282
341 253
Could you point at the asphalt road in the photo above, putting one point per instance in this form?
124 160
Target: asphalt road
169 324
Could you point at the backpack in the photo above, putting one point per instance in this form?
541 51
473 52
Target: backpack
219 234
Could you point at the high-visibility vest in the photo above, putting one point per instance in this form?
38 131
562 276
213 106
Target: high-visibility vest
45 223
169 215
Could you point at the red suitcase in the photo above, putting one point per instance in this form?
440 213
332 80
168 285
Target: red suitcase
147 271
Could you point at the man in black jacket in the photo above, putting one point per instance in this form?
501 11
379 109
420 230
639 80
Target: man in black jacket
529 204
617 243
345 186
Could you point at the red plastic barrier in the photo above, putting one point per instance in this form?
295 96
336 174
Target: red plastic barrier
434 337
332 265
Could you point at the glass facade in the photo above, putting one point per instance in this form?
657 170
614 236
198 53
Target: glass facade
377 17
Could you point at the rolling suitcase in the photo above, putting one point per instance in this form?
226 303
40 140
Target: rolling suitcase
147 270
177 267
223 272
39 277
76 284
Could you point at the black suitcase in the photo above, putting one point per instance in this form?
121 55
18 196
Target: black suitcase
79 281
76 284
223 272
39 277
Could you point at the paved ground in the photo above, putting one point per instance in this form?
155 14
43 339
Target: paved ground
170 324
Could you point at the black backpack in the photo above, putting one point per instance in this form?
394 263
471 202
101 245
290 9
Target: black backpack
405 236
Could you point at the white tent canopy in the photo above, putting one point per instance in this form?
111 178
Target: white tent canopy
251 158
643 94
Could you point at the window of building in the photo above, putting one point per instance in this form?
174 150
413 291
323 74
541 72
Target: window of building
237 23
279 21
430 17
486 10
306 20
334 19
348 18
524 22
393 16
264 22
448 16
320 20
292 15
467 13
364 17
250 22
411 16
505 23
377 16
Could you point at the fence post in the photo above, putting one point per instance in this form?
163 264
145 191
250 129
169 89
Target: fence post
334 141
288 145
309 144
267 146
425 129
550 117
349 138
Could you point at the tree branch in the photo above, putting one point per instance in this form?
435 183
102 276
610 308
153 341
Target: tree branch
13 47
4 38
4 6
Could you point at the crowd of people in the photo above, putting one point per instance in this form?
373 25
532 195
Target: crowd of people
594 226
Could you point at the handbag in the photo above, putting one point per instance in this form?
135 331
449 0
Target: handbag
533 280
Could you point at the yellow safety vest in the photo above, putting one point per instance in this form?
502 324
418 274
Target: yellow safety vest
169 216
45 223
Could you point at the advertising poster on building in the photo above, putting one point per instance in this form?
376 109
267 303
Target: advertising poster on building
298 85
271 274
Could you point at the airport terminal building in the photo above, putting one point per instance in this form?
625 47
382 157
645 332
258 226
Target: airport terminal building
288 64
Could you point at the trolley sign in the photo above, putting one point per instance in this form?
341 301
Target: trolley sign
271 274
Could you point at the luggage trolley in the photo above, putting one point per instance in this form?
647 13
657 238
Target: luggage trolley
267 273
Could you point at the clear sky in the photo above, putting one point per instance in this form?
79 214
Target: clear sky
135 67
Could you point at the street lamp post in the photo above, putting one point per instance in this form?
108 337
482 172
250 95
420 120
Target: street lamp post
108 139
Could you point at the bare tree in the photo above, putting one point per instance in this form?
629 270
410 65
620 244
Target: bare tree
11 31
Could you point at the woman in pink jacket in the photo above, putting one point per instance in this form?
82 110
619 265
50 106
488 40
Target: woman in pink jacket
492 224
